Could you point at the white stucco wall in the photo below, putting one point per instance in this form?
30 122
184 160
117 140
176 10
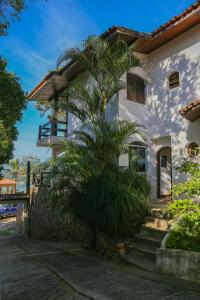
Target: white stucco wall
160 115
163 124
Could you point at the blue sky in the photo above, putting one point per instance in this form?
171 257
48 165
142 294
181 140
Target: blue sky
46 28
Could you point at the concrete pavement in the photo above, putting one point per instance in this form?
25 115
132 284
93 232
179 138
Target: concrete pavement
36 270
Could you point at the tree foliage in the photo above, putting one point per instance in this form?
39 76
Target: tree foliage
88 179
191 187
103 65
113 202
9 9
185 234
12 103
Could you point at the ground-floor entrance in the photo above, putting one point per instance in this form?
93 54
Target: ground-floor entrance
164 172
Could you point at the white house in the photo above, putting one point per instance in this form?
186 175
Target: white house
162 95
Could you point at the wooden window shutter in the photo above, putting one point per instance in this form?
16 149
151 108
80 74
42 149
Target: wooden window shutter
174 80
135 88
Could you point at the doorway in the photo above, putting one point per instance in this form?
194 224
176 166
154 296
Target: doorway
164 182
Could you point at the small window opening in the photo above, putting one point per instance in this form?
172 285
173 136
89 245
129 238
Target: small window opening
174 80
193 150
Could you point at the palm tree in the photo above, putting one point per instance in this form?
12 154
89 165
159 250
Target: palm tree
108 197
103 65
101 143
103 195
90 182
15 168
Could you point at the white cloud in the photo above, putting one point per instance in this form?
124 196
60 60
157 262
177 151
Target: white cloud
59 25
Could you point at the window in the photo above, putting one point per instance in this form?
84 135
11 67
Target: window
135 88
193 150
163 161
174 80
138 157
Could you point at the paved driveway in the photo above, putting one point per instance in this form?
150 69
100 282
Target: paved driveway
31 270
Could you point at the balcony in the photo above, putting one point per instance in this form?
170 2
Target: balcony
52 133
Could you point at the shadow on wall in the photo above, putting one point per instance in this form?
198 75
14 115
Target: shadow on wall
165 103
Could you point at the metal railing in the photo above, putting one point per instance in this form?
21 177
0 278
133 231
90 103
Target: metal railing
41 178
53 128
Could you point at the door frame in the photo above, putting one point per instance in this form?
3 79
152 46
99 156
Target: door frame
158 171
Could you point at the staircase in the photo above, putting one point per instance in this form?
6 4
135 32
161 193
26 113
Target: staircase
142 252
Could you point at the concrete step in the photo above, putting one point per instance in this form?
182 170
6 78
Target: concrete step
153 241
141 260
142 246
142 252
153 233
158 223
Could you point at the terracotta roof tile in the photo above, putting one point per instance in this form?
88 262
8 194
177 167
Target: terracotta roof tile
122 29
7 181
176 18
192 110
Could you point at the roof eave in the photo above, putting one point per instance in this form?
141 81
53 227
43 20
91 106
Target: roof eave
191 112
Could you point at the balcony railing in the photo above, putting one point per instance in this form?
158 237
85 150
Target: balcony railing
53 128
52 132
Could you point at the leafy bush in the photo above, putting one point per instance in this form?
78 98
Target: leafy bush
186 233
179 207
113 202
191 187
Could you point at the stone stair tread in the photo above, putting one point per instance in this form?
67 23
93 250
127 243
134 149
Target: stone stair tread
147 238
152 234
151 218
141 260
153 226
142 247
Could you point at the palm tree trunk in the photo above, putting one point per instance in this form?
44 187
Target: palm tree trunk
104 107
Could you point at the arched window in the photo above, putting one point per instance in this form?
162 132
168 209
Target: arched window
135 88
174 80
138 157
193 150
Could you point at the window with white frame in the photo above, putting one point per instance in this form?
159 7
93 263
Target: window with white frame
138 157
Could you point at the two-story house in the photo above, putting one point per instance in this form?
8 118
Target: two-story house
162 95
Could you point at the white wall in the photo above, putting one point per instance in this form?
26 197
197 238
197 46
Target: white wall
163 124
160 115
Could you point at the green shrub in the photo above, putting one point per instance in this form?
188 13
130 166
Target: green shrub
180 207
186 233
191 187
114 202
